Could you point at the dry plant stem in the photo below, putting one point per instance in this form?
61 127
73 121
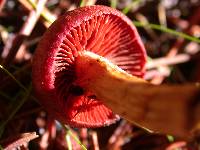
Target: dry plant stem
49 18
180 58
120 135
162 14
166 109
24 32
150 74
195 19
87 2
84 136
95 140
144 20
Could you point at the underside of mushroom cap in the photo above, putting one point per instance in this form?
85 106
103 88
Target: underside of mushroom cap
98 29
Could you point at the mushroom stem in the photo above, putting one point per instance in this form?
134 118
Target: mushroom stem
171 109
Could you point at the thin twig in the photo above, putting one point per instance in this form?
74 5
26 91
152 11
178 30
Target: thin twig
195 19
87 2
144 21
166 61
119 136
84 136
24 32
46 14
162 14
158 72
95 140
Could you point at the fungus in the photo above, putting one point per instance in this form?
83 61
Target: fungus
93 56
98 29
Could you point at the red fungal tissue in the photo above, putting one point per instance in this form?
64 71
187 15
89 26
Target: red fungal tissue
99 29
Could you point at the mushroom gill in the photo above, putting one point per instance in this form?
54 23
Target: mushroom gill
98 29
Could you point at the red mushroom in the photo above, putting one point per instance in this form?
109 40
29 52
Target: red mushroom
74 74
99 29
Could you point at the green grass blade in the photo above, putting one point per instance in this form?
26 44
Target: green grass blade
113 3
81 3
170 138
5 96
167 30
68 130
156 26
44 15
126 10
14 111
9 74
132 5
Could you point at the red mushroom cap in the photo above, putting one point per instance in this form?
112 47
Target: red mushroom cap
100 29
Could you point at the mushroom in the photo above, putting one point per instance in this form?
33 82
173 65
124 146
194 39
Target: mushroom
91 61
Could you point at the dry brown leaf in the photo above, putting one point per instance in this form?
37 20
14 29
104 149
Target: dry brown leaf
18 140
